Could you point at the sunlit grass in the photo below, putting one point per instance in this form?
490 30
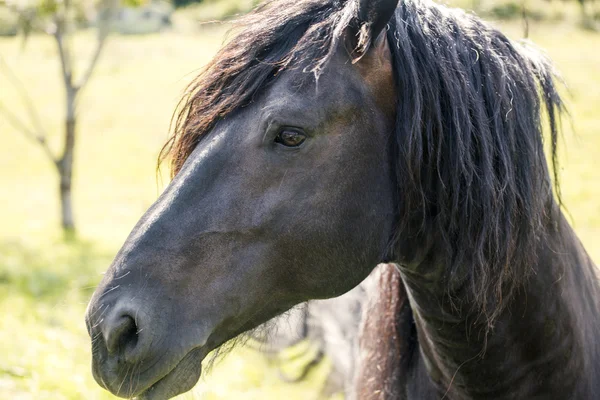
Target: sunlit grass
125 113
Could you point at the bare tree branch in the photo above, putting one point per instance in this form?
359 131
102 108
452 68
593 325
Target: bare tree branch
65 59
25 98
102 35
105 15
20 126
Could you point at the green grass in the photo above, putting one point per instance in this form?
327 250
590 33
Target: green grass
125 113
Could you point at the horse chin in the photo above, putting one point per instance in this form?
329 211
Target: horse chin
179 380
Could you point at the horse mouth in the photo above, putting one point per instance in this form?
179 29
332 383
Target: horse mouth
180 379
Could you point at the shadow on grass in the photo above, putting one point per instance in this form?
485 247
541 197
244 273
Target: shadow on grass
48 271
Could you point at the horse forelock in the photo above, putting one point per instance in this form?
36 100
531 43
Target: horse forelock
277 35
469 148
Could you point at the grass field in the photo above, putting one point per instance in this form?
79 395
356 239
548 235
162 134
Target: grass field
125 113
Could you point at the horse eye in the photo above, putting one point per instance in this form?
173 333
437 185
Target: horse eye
290 138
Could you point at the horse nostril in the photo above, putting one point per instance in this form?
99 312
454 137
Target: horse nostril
122 336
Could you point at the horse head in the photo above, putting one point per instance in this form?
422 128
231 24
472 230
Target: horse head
282 193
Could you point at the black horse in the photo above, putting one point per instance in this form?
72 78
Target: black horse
330 135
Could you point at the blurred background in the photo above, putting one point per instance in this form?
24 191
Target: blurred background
87 91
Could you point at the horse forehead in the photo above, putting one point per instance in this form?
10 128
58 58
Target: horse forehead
339 84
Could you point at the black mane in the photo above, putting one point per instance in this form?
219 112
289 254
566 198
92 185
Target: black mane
470 157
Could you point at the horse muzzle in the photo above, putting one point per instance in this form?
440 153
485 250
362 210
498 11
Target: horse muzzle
132 357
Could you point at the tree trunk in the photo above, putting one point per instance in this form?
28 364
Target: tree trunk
525 15
65 166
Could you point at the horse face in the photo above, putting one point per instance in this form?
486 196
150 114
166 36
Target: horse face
287 199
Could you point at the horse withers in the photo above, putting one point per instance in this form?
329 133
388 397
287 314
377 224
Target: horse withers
328 136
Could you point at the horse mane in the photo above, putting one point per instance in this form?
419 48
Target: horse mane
469 144
470 159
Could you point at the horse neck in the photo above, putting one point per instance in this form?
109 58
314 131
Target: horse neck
548 327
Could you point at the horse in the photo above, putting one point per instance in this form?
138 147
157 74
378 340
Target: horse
327 136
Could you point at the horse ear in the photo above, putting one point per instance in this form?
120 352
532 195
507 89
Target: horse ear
372 16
